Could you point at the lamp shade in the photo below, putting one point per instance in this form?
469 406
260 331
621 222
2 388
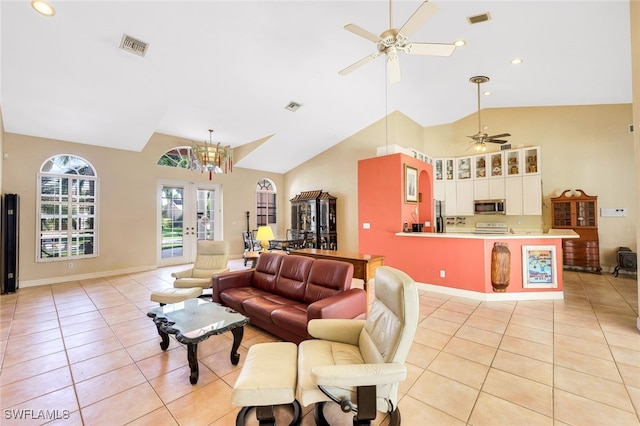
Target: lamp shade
265 233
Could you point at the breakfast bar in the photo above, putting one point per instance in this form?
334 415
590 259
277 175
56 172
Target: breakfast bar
461 262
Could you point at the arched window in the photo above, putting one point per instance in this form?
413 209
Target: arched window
266 208
67 209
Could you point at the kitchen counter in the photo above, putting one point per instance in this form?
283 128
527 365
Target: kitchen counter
516 235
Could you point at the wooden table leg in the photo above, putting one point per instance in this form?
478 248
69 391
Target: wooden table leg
192 356
237 332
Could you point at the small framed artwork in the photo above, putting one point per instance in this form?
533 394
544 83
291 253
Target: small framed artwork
410 184
539 269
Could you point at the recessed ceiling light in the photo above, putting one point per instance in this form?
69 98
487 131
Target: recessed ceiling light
459 43
517 61
486 93
43 7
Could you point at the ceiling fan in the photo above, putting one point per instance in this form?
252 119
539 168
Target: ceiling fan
482 138
394 40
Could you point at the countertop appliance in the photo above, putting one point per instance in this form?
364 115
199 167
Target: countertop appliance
498 228
488 207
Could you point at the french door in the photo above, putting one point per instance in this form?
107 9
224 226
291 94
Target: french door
187 212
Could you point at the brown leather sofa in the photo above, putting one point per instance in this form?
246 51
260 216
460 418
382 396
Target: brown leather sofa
284 292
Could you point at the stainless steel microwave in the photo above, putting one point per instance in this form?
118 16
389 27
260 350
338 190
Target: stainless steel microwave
488 207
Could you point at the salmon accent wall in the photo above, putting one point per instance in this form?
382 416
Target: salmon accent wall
466 261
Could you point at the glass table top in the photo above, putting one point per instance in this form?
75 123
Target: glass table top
196 319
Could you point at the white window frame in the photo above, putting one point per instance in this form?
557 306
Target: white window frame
68 204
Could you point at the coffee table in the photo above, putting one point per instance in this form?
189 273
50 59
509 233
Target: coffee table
195 320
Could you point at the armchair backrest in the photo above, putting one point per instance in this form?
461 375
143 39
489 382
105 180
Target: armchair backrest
393 318
210 255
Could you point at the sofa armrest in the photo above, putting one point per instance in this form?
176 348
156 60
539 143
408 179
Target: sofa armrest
231 279
348 375
348 304
337 330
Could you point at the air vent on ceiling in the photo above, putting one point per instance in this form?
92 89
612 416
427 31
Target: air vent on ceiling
132 45
476 19
293 106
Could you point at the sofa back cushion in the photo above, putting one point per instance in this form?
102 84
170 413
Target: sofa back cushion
292 279
327 278
266 271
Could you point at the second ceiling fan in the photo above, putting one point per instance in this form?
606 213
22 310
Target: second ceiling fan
393 40
481 138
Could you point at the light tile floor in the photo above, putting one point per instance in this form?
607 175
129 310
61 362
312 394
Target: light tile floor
86 352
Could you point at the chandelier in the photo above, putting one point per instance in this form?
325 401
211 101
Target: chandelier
212 158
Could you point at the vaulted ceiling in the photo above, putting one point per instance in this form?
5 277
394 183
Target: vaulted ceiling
233 66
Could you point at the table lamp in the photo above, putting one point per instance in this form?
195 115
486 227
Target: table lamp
264 235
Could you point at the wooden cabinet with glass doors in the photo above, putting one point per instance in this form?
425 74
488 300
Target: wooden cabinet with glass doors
313 217
578 211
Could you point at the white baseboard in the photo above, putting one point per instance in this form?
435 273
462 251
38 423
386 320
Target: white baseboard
91 275
492 297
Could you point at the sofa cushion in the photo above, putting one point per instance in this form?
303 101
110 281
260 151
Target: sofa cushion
261 307
292 280
266 271
292 318
327 278
233 297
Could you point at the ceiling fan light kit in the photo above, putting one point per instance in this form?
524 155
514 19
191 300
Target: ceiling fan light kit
481 138
393 40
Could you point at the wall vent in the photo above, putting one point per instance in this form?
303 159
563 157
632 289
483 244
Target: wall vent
293 106
476 19
132 45
630 128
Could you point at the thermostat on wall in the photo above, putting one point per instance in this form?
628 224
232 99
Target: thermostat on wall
621 212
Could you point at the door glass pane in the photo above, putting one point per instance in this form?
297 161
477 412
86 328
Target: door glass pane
205 208
172 221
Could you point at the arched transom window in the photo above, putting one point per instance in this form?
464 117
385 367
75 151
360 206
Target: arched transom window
266 207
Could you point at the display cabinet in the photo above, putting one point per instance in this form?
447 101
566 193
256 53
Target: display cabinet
463 168
480 166
578 211
513 158
531 160
438 168
496 164
313 214
448 169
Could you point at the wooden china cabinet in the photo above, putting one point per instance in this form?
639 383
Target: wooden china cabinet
578 211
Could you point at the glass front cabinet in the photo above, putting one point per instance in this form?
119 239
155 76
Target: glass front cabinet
313 215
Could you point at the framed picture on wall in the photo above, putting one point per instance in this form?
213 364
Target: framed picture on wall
410 184
539 269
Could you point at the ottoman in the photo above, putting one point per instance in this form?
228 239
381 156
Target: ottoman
170 295
268 378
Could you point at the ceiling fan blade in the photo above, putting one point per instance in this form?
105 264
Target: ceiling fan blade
418 19
501 135
495 140
359 63
362 32
435 49
393 68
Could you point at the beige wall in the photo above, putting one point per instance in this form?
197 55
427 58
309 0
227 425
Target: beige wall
583 147
128 202
335 170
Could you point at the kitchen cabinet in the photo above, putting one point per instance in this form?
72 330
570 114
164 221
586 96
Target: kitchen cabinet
496 164
464 198
488 189
513 159
523 195
531 160
513 196
463 168
578 211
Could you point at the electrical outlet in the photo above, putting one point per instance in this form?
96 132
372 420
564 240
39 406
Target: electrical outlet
70 265
442 273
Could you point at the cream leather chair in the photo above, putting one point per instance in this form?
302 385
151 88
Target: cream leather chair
211 259
360 363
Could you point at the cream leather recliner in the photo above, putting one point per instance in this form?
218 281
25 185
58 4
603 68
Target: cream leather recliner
360 363
211 259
